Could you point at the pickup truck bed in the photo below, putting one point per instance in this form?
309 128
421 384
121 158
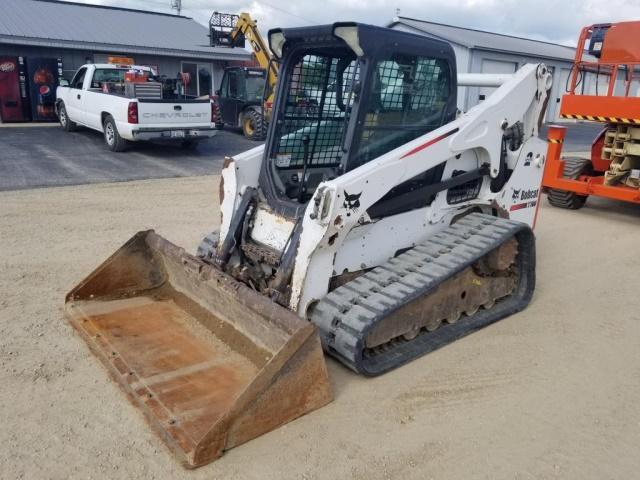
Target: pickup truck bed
123 119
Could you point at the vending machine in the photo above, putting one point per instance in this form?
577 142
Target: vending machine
14 96
44 75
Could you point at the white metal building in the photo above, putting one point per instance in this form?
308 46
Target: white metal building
486 52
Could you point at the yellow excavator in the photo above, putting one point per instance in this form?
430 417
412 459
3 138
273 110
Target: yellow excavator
245 96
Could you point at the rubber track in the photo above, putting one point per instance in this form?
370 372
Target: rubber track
573 168
346 315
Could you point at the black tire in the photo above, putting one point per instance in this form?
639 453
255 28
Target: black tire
573 168
189 144
66 124
253 125
112 137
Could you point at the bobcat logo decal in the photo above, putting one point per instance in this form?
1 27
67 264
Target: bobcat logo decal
352 202
516 194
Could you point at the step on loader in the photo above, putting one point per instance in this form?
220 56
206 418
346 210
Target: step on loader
378 226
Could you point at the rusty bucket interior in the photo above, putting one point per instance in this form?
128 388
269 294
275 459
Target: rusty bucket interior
210 362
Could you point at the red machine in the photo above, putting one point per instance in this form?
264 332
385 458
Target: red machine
14 97
602 87
44 77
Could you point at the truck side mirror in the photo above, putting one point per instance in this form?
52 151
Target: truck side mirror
63 82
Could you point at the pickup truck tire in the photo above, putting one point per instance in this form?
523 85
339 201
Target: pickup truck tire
111 136
65 122
189 144
253 124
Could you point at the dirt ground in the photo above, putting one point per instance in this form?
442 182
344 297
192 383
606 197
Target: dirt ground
549 393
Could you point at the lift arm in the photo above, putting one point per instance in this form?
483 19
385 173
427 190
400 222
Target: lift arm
244 27
248 27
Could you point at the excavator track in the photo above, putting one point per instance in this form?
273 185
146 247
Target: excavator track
475 272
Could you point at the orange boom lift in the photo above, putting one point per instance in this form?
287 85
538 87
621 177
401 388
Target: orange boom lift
602 87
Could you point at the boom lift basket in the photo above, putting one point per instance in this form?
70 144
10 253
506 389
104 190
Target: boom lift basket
220 27
210 362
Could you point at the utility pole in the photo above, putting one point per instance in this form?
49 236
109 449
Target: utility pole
177 4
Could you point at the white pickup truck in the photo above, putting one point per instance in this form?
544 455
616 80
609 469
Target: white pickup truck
96 99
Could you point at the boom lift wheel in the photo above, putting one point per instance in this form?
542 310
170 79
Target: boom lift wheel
253 124
574 167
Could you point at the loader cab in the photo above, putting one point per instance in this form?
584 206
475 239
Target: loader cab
241 87
347 94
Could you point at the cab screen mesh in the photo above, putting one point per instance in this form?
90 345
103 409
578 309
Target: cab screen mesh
317 102
408 99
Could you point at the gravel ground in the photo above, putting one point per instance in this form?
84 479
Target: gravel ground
548 393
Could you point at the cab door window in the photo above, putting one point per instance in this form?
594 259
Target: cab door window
78 79
224 86
234 85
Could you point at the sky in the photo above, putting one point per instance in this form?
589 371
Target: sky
557 21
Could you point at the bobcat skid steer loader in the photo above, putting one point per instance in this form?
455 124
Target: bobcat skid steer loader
375 223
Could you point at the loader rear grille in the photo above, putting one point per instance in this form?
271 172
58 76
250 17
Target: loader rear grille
465 192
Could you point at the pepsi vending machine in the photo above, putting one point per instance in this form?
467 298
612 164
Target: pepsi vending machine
14 97
44 75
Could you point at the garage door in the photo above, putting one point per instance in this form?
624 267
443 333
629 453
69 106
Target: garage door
494 66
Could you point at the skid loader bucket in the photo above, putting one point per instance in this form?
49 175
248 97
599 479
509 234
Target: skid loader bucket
210 362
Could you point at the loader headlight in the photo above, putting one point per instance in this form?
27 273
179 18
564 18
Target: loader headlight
276 42
349 33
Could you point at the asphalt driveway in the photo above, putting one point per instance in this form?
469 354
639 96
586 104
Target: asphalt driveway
34 156
47 156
